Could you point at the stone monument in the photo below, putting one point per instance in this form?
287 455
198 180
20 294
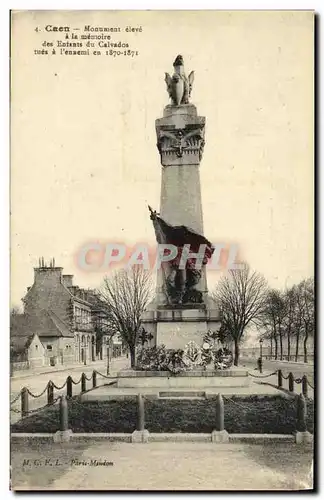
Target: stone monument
182 314
182 310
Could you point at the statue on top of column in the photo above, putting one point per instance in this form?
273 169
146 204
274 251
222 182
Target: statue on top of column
180 85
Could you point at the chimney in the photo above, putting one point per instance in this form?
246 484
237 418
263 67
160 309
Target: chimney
47 272
67 280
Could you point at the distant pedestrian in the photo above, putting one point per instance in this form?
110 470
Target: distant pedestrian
259 364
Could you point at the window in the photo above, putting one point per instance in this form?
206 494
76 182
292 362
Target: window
49 347
36 347
67 347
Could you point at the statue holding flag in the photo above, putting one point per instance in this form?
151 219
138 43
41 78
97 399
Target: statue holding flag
180 281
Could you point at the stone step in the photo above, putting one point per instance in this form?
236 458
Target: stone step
182 394
182 397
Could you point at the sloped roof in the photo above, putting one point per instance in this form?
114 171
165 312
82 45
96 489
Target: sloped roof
45 324
60 325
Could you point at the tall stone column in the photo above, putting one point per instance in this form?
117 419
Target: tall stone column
180 141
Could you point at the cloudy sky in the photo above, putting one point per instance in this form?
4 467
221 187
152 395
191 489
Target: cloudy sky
84 163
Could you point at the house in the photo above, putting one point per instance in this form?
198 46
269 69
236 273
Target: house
60 315
26 349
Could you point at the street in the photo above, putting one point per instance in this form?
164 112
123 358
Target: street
297 369
37 382
161 466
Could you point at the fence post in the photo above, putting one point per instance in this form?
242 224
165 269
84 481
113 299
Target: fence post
83 382
301 414
219 413
94 379
305 385
69 387
50 393
64 417
140 413
291 382
279 378
24 402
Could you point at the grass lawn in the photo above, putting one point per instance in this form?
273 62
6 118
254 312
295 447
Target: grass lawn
254 414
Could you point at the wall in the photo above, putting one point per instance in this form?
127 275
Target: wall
59 351
83 347
67 349
36 353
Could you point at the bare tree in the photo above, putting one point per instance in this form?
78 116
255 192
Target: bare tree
290 317
15 311
305 304
268 327
241 296
272 318
126 294
297 325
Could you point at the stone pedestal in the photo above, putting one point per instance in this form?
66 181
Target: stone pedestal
62 436
220 437
303 437
177 334
140 436
176 326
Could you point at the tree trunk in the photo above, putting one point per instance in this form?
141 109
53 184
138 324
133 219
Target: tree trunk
297 347
132 356
276 347
270 347
236 352
305 347
288 346
280 340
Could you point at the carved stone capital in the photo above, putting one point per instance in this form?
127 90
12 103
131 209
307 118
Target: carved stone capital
181 146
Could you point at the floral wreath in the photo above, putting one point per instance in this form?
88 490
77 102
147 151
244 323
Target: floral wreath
177 360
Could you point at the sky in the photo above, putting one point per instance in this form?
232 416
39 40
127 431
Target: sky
84 162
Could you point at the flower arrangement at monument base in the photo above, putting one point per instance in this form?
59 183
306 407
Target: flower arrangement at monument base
175 361
223 358
158 358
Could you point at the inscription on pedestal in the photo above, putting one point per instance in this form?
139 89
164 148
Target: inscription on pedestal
176 335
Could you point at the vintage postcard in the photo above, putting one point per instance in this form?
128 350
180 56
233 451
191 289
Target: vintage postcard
162 250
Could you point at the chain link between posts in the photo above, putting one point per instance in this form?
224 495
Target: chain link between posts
35 410
76 383
58 387
38 395
15 399
104 376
